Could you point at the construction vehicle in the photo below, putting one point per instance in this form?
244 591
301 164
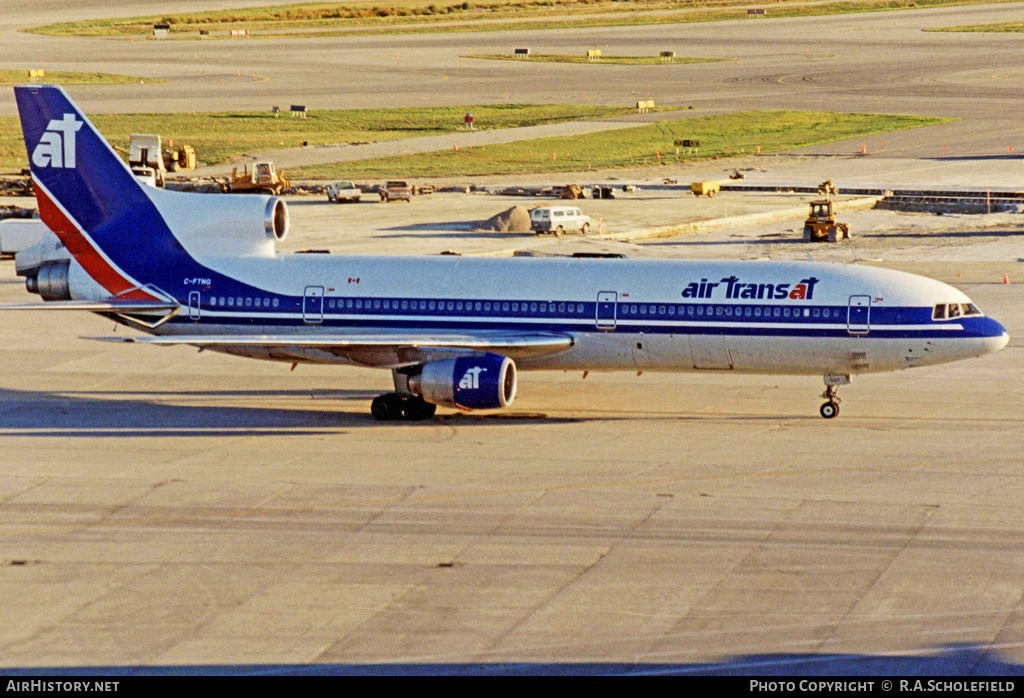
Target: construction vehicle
145 158
261 179
708 188
181 158
821 224
828 188
571 191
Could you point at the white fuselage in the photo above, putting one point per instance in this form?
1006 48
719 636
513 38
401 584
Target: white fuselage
760 317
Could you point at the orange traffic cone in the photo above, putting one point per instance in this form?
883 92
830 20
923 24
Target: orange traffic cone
1006 278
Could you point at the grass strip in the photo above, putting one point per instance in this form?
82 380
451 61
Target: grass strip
644 146
603 60
18 77
221 137
324 19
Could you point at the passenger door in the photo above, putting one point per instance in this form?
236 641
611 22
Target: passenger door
605 317
858 319
313 305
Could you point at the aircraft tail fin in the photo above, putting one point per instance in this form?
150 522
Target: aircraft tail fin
86 193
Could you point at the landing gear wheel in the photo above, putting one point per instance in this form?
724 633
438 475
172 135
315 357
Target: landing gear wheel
829 410
392 406
387 407
416 409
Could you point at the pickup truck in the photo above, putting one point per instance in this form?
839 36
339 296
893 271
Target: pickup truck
395 190
341 192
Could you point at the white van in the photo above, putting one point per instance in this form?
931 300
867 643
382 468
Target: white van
558 220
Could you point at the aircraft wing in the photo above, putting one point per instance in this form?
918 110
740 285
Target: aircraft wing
384 350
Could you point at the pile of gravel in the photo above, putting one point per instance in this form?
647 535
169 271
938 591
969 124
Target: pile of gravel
514 220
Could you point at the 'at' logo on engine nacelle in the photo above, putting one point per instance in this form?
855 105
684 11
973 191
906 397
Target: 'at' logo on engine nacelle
56 147
471 380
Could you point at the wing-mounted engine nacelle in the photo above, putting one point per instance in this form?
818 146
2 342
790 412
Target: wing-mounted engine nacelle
470 382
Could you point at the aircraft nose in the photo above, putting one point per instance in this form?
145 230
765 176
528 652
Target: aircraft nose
994 337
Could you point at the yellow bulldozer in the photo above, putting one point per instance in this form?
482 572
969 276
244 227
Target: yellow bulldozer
261 179
821 224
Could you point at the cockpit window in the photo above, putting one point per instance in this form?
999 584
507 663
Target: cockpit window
945 311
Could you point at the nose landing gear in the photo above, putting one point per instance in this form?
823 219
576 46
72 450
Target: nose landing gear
831 407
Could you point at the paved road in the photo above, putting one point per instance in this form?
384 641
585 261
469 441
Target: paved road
880 62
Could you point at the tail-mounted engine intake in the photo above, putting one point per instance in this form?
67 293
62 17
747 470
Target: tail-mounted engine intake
473 382
275 221
223 224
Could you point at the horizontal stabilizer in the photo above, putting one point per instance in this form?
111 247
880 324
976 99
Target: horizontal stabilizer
111 306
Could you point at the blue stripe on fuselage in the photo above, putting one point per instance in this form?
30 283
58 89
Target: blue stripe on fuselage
886 323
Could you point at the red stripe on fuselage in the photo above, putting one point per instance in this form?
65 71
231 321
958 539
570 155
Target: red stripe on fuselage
85 253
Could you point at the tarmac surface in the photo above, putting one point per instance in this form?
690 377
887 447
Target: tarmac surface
168 511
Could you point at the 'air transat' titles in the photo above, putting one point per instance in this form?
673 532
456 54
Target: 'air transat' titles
735 289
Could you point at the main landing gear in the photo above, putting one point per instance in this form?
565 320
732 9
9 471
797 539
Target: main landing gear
392 406
831 407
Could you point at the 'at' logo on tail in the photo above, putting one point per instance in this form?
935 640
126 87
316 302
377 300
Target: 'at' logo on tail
56 147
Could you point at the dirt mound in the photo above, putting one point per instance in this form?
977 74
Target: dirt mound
514 220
